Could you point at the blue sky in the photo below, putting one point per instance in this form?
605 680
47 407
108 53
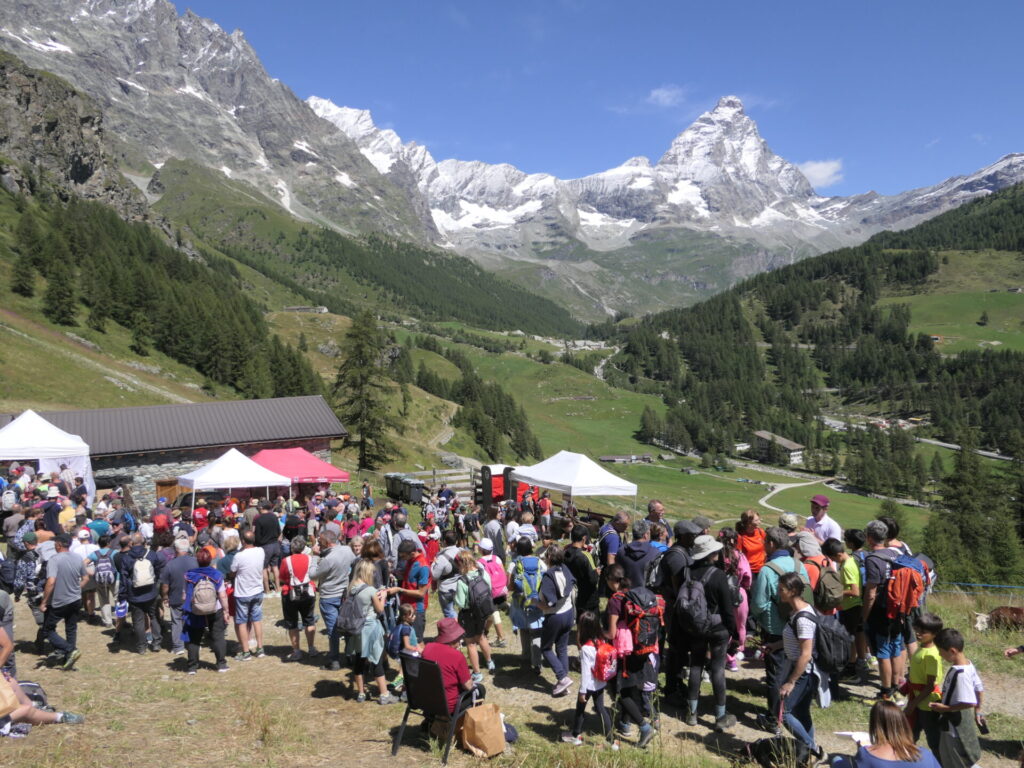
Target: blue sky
881 95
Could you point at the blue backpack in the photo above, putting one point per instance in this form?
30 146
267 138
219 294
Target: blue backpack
395 639
527 578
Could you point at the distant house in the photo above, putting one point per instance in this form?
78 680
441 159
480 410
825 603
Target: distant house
741 447
645 458
762 446
314 310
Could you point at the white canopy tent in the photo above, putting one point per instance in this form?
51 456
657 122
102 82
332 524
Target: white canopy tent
30 436
576 475
232 470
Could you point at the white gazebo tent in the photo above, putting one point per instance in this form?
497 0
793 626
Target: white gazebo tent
30 436
576 475
232 470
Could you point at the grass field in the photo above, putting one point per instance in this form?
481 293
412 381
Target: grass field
143 710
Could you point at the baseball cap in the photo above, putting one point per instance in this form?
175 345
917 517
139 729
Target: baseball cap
702 522
821 500
84 534
486 545
789 521
162 500
685 528
29 538
52 492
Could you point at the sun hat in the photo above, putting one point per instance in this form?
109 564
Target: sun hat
449 630
703 546
789 521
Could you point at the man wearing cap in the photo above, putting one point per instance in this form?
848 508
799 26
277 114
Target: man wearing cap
51 511
704 523
819 523
11 525
444 651
396 531
62 599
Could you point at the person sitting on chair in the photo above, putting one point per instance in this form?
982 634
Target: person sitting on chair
454 670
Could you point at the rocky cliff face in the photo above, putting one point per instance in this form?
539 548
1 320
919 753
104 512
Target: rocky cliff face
183 87
53 135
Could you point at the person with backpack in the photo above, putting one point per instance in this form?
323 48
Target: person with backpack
365 643
637 556
473 607
298 598
525 573
580 563
597 666
139 572
704 622
495 568
797 644
850 606
671 569
172 590
900 547
205 609
556 600
633 634
609 539
444 572
737 572
885 636
771 614
413 574
822 573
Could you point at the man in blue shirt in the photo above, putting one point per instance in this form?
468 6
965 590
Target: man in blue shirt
609 542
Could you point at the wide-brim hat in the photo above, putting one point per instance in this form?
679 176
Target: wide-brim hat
704 546
449 630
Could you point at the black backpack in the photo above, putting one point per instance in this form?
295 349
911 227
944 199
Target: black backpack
479 602
832 643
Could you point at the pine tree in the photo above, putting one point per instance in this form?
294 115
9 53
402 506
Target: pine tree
303 344
983 320
23 279
937 470
360 391
59 298
141 334
29 238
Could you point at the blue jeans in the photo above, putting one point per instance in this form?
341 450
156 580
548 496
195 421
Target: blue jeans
447 602
554 642
797 714
329 608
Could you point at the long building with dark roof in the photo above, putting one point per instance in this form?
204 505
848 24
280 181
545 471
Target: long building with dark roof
145 449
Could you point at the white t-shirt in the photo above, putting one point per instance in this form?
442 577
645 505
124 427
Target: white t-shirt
825 529
588 656
967 687
248 569
511 532
805 628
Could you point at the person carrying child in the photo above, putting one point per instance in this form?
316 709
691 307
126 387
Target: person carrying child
960 707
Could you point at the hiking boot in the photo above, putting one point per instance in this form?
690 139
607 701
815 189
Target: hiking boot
259 653
562 686
223 667
691 717
769 724
503 643
386 699
725 722
333 665
646 735
626 730
178 652
360 698
490 666
397 683
72 657
569 738
154 647
293 656
476 678
192 672
243 656
819 757
70 718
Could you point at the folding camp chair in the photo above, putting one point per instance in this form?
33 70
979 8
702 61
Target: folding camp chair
425 690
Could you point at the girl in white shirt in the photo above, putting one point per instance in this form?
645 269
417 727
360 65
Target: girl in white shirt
589 635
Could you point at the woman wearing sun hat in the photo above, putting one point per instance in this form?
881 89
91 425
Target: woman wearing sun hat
714 644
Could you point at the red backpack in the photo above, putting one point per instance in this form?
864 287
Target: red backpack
606 662
161 522
645 616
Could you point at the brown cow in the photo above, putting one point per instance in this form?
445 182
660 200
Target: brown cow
1003 617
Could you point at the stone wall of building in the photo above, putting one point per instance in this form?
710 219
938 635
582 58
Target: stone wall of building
141 471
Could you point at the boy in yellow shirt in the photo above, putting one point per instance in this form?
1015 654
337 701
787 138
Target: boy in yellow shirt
925 673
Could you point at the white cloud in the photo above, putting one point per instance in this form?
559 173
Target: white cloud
822 173
667 96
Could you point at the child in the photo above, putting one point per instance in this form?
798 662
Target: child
850 609
925 672
403 640
588 636
960 708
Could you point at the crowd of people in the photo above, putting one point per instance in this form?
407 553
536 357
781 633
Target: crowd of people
652 608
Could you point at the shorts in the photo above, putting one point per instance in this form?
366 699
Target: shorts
473 626
852 619
248 609
299 614
272 554
545 520
886 641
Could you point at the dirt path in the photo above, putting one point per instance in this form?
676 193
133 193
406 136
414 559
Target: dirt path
763 501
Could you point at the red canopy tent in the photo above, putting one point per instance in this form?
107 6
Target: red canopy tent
300 465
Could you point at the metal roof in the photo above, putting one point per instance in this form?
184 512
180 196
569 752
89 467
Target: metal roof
110 431
789 445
